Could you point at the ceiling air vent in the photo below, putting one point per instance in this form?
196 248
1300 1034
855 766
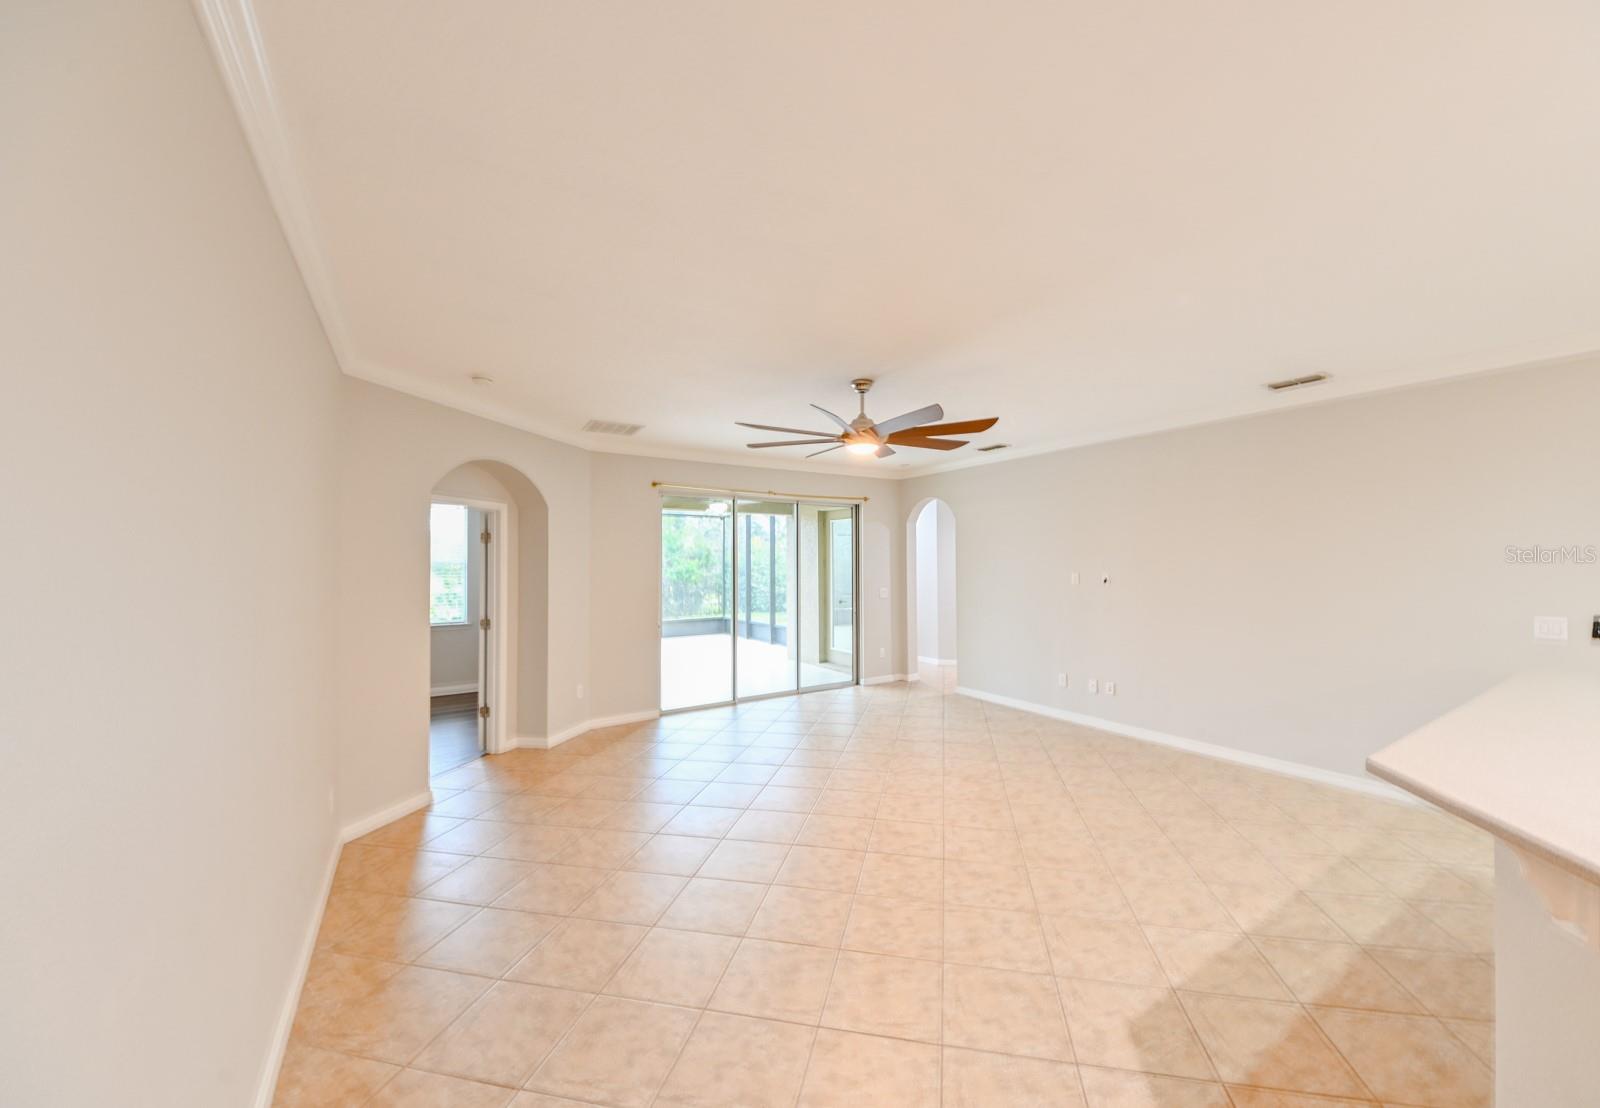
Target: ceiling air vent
1297 382
996 446
607 427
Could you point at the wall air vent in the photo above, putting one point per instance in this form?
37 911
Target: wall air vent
996 446
1297 382
608 427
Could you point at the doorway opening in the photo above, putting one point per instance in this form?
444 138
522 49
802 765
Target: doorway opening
461 593
931 582
758 598
488 605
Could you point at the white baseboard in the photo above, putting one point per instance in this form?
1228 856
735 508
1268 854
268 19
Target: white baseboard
546 742
453 690
1322 776
936 661
280 1036
268 1084
887 679
376 820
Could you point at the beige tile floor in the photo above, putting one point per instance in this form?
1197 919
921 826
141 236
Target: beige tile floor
895 896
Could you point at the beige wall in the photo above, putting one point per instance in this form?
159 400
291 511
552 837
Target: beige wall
603 539
627 552
1307 585
394 450
167 744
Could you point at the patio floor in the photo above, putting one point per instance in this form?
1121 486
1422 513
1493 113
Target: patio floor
694 670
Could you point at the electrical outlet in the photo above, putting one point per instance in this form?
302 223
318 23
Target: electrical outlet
1550 628
1110 688
580 692
883 652
1061 680
1094 685
1074 578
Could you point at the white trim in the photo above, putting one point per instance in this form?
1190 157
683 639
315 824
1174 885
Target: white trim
937 661
230 25
453 690
886 679
1370 786
242 58
268 1084
388 815
625 717
545 742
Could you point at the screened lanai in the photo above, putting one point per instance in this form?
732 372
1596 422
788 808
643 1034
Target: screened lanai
773 580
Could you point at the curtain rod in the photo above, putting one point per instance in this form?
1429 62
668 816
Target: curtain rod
755 492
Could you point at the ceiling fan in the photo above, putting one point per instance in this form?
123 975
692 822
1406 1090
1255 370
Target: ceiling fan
863 436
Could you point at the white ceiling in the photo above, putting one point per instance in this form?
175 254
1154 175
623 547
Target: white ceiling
1087 219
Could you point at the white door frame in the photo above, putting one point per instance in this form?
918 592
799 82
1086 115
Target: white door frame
499 736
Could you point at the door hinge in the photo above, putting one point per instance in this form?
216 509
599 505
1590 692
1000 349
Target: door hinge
483 536
483 623
484 711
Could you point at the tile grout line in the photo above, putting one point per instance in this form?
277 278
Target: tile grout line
1321 1034
889 744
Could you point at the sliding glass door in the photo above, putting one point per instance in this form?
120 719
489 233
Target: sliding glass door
757 598
828 584
696 601
764 653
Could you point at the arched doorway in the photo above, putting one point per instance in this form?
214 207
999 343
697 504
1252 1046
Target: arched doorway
931 593
488 613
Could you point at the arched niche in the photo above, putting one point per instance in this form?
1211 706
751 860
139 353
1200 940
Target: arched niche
931 599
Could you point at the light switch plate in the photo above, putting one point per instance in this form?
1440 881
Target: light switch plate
1550 628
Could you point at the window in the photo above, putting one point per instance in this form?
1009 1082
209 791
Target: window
447 581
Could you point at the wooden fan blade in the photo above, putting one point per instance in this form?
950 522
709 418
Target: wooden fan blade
908 438
785 430
835 446
790 442
909 419
833 417
965 427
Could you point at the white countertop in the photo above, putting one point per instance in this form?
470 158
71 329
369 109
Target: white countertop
1522 761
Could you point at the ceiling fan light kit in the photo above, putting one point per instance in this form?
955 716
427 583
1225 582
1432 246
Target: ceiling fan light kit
865 437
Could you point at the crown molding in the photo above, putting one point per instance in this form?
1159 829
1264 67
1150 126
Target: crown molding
235 38
1334 392
231 28
424 388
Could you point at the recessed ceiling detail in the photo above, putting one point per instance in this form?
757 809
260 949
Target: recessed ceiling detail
1090 220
